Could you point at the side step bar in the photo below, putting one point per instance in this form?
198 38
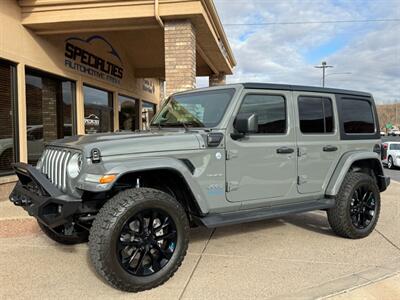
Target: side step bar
243 216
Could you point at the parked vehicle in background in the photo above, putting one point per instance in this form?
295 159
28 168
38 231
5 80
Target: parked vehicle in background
391 154
383 133
394 132
212 157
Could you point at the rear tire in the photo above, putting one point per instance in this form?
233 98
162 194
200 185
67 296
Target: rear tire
139 239
390 163
78 238
357 207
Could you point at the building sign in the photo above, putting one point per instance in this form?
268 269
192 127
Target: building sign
94 57
148 86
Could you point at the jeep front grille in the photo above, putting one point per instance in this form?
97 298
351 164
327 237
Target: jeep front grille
54 166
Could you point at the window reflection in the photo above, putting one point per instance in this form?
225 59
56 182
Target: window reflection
49 102
7 150
128 113
148 112
98 110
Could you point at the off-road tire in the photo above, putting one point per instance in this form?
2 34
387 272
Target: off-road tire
106 228
64 239
339 216
390 164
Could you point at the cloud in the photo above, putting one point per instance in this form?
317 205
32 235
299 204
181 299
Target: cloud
288 53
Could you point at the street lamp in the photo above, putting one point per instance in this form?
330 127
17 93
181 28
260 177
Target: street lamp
323 66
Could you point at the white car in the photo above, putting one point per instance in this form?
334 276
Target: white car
391 154
394 132
35 145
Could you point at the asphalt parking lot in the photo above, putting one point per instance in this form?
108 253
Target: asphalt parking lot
292 257
394 174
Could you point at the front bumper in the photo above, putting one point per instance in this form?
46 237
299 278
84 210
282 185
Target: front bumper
41 199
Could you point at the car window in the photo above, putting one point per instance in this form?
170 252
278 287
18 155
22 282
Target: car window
270 110
36 133
394 146
315 114
357 116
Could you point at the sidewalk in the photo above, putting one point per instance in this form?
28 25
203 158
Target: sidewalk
388 289
296 257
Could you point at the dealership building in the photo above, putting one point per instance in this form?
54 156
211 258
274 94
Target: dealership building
72 67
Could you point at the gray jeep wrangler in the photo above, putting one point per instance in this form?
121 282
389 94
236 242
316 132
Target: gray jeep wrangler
213 157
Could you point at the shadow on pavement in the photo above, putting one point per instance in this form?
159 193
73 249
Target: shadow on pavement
312 221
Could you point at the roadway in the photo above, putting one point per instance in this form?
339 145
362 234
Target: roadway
394 174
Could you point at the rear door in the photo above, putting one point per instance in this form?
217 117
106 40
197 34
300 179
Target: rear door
318 140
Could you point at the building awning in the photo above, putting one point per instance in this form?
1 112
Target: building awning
138 26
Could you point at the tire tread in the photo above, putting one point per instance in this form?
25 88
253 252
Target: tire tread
109 215
337 216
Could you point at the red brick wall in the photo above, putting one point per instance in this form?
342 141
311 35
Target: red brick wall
180 56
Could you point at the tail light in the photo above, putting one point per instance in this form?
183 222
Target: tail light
384 151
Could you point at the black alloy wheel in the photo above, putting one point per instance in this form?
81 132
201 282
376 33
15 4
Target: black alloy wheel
147 242
139 239
362 207
357 206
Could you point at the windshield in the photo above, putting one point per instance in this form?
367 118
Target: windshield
197 109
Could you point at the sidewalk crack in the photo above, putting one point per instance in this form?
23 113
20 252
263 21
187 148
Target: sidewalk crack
387 239
197 263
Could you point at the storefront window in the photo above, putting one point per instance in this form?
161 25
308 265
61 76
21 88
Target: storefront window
98 110
7 122
148 112
128 113
50 110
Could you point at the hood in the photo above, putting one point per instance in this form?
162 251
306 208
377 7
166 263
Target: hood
133 142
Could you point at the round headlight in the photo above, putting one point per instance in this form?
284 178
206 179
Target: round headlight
74 165
39 164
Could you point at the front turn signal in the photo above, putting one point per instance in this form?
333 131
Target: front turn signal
107 178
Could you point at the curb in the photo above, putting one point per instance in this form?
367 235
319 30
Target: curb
18 227
347 283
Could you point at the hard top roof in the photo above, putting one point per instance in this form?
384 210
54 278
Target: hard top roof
303 88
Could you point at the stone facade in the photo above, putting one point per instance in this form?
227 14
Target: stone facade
217 79
180 56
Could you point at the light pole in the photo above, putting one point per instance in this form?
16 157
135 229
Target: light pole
323 66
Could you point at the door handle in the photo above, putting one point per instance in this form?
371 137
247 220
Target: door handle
284 150
330 148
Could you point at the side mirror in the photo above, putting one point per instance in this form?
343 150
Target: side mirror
245 123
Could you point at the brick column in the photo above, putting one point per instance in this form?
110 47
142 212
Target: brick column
215 80
49 109
180 56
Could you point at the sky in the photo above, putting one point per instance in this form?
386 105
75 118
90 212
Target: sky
365 55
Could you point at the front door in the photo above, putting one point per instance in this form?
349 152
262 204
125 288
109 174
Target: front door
262 165
318 140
